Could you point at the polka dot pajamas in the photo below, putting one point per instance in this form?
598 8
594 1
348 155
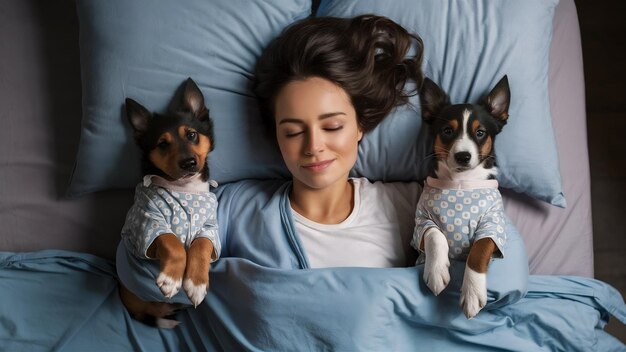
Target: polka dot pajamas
463 216
157 210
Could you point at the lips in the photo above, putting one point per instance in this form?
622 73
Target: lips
318 166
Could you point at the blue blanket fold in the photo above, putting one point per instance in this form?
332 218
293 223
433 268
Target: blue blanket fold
263 297
64 301
256 308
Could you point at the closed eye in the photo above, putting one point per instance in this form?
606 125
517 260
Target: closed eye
327 129
293 134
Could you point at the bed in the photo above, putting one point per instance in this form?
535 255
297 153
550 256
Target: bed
63 204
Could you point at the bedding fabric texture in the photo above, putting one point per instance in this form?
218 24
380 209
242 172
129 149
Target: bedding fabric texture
79 309
144 49
257 301
469 46
560 241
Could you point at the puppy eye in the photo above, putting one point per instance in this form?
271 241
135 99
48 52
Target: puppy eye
480 133
192 136
163 145
447 131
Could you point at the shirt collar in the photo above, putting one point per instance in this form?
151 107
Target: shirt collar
192 184
463 184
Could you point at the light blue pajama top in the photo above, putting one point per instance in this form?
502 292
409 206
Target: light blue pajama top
163 207
464 211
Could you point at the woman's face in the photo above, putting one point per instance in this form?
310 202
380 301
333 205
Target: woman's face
317 131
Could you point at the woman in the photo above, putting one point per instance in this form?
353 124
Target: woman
322 84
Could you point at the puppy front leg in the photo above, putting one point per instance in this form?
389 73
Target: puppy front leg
437 264
474 289
172 257
197 271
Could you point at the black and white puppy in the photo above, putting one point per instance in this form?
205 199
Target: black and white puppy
465 133
453 220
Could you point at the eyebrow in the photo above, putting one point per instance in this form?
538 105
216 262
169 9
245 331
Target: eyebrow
321 117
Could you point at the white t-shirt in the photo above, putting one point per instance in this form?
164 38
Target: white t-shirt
377 233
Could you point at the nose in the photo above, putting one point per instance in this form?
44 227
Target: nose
187 164
463 158
314 143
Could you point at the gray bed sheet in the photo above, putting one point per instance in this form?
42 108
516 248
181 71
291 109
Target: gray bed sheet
40 109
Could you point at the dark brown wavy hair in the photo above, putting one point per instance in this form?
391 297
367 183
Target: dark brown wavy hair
369 56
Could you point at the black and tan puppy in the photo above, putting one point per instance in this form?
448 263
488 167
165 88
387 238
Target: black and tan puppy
173 218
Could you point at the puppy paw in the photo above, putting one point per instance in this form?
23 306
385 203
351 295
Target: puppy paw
196 293
437 275
169 286
437 264
473 292
165 323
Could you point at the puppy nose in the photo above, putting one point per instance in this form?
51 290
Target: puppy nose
463 158
188 164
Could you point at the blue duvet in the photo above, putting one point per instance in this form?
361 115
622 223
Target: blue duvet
263 297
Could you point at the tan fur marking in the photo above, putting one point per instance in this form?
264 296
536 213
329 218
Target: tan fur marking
440 149
182 131
480 254
475 126
486 147
171 254
454 124
201 150
199 260
166 160
141 309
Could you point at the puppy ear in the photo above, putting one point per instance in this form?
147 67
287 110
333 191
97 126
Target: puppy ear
193 100
498 100
138 116
432 100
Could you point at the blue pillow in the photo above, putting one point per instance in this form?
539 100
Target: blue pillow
144 49
469 46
